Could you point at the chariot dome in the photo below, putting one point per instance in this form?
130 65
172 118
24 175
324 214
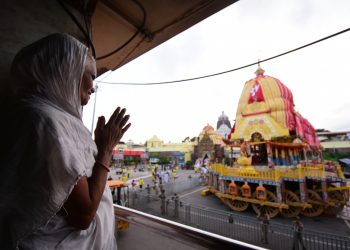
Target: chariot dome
266 107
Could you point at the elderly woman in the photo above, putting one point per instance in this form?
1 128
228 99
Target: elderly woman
52 174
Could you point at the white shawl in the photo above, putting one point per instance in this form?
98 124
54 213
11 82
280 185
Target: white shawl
47 148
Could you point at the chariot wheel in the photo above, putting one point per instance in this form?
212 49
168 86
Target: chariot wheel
292 211
270 211
337 197
236 205
314 199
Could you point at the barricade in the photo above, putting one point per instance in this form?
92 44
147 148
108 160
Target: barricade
271 235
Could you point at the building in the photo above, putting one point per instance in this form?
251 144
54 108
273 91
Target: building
129 152
210 143
223 126
335 142
177 152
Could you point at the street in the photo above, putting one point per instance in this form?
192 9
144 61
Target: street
189 191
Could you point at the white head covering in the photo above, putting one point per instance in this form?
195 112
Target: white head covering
51 68
46 148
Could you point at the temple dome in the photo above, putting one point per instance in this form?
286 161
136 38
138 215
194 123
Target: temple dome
223 126
213 135
223 119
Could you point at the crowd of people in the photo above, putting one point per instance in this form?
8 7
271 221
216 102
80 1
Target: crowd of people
160 174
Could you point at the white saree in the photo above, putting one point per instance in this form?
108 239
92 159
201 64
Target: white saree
46 150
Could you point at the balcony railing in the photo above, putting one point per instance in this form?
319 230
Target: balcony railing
176 234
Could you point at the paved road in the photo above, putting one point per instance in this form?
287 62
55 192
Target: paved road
322 223
189 191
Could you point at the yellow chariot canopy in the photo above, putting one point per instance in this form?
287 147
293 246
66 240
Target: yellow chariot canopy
266 106
256 117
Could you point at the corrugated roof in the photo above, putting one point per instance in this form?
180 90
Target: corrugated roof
336 144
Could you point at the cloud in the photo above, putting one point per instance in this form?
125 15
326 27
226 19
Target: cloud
236 36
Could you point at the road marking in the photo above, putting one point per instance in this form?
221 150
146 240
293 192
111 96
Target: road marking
143 177
181 196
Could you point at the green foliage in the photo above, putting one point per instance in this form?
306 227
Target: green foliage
335 156
189 163
163 160
153 155
131 160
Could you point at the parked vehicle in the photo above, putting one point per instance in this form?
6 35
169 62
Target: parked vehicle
119 171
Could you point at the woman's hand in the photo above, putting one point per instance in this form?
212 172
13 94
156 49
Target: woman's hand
108 135
83 202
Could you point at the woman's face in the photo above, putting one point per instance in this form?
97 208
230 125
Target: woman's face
87 85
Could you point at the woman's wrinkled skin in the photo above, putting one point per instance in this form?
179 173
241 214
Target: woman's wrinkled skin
83 202
87 85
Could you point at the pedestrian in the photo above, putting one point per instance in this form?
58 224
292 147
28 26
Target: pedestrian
174 176
133 184
154 178
166 177
129 173
57 198
265 221
197 165
140 183
125 178
298 237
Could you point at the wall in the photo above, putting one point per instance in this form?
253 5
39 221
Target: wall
23 22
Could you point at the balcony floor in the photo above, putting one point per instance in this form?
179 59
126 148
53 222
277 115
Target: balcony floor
138 237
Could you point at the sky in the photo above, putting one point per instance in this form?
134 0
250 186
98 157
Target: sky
236 36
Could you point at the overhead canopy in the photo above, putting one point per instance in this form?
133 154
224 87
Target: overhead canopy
128 152
142 25
345 161
121 30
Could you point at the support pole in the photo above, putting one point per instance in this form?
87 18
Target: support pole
324 190
303 193
291 157
269 155
276 157
279 192
283 156
283 190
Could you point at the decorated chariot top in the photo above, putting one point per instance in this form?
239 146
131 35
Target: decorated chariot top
266 106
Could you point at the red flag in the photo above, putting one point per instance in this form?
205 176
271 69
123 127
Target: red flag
256 94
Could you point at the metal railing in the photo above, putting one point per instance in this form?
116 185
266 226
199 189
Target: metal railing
259 232
182 233
275 174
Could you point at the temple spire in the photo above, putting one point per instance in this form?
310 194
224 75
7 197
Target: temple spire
259 71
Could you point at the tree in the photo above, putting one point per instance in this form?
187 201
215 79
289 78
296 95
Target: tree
186 139
319 130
